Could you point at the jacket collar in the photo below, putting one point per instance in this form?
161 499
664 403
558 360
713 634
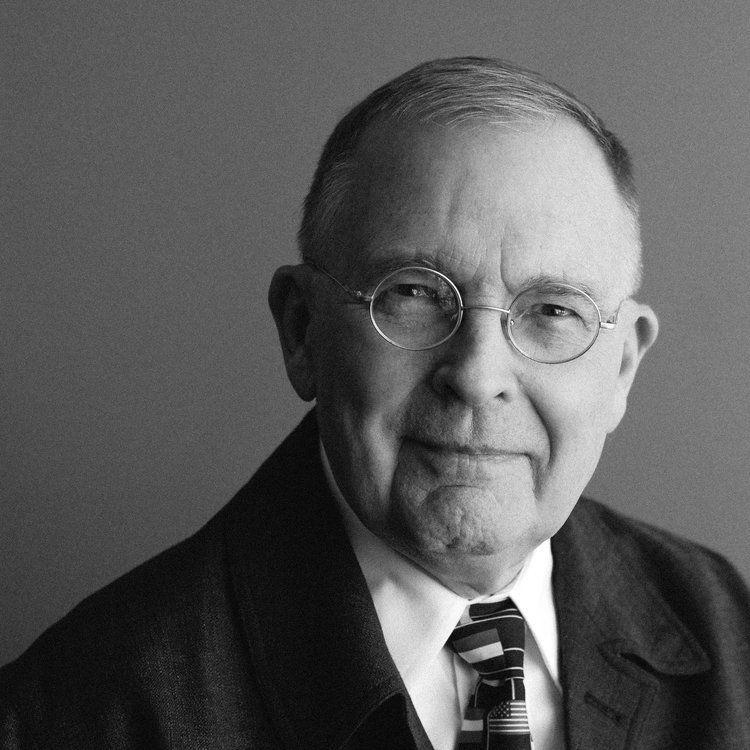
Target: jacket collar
313 634
617 632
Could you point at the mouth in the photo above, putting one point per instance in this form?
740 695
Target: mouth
465 464
458 448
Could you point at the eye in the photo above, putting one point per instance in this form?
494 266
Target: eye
415 290
554 307
552 310
418 293
414 297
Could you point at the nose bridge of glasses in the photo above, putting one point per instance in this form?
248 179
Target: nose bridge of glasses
485 307
504 320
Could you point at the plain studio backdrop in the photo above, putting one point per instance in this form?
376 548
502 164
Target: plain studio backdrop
155 157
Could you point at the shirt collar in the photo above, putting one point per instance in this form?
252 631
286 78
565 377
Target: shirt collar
417 613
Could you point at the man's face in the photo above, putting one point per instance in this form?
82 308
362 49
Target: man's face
467 456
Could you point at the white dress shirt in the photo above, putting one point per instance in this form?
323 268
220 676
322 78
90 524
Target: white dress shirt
417 614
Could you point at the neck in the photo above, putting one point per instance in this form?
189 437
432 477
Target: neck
477 584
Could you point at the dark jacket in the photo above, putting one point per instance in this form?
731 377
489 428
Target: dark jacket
259 632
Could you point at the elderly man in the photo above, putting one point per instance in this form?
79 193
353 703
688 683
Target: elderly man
413 567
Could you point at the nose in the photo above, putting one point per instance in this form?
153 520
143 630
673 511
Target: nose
478 364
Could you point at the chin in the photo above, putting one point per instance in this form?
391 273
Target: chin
468 566
471 575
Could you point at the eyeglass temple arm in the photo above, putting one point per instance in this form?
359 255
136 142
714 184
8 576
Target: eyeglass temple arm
359 296
611 322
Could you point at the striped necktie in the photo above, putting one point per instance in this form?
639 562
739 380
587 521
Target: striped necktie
490 637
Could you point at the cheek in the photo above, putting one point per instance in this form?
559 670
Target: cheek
366 383
353 366
365 389
577 411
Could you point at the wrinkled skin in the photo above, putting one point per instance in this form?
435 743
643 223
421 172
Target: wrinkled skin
467 456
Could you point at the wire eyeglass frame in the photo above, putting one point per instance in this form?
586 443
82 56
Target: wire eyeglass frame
368 299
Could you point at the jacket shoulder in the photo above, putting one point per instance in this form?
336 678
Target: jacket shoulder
654 624
658 553
140 608
133 657
159 651
695 581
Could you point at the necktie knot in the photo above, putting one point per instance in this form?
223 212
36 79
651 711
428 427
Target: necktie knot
490 636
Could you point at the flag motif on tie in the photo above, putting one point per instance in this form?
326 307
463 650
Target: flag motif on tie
508 717
490 637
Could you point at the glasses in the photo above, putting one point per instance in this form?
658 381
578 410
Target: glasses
418 308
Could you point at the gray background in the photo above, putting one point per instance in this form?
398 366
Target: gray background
153 164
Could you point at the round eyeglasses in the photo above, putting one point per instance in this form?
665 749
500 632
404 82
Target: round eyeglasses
418 308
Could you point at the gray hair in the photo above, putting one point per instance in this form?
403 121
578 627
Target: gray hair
452 92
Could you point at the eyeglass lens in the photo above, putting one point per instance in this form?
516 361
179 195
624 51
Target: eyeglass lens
417 308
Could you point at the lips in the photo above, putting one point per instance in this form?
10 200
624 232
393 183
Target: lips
478 450
461 464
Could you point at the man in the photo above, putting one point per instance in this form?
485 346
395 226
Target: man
464 318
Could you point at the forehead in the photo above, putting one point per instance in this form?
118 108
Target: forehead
490 205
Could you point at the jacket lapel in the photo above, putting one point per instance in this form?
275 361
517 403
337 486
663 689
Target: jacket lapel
313 634
617 635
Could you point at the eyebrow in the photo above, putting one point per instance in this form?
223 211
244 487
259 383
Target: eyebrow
552 281
376 270
383 266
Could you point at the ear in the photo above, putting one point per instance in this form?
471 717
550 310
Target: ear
641 328
290 305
